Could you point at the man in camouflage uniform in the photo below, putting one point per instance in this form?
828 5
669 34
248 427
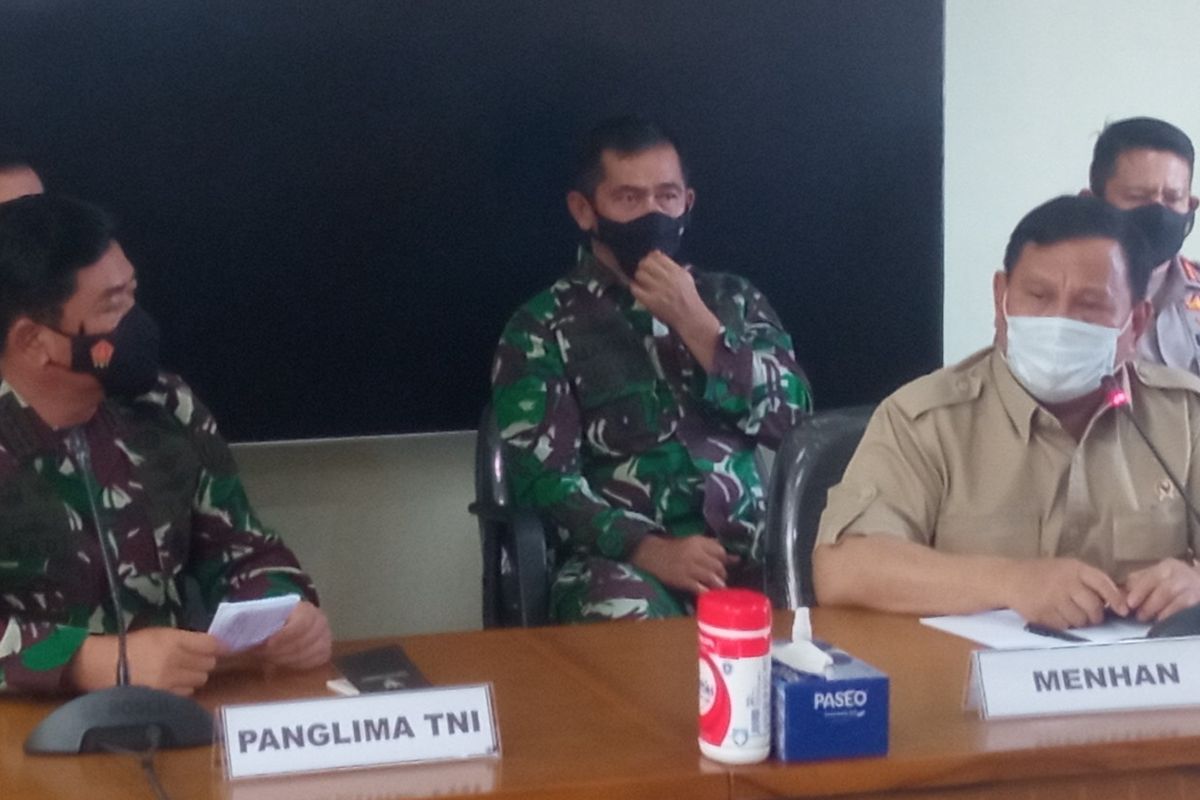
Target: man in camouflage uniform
1136 162
633 392
92 435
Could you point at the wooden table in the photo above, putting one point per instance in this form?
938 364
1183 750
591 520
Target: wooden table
609 711
937 750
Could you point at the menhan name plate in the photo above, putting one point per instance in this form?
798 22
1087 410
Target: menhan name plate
1083 678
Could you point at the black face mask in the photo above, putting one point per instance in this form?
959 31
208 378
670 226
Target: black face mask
124 360
1162 230
631 241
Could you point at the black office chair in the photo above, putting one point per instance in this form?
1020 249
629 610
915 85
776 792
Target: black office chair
516 561
810 460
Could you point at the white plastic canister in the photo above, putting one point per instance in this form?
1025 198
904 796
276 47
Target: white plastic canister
735 675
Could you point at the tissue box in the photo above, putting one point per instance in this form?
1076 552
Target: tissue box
842 716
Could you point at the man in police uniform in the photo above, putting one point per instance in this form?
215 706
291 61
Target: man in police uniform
1142 161
1012 479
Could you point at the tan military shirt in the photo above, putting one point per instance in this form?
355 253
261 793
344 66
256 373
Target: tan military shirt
1173 336
966 461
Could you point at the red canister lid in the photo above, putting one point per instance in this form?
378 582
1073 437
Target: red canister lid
736 609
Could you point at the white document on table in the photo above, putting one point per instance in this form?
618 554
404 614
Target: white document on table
1004 629
240 626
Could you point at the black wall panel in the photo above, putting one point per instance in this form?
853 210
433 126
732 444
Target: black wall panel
334 206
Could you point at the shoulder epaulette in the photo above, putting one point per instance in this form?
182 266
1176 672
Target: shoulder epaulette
960 383
1163 377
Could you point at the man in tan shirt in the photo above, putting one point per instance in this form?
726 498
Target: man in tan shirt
1010 479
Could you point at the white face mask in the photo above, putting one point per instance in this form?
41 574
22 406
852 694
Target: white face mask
1058 359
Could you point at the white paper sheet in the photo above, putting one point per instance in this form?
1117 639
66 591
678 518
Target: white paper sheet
1005 629
242 625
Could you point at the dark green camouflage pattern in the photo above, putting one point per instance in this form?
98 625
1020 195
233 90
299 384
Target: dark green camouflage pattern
615 431
168 490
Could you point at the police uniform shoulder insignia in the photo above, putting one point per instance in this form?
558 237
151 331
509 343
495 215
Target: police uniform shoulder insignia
1190 271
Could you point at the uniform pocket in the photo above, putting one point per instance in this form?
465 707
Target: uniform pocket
625 425
1151 534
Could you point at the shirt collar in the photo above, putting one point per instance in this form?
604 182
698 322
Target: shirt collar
589 270
22 432
1020 405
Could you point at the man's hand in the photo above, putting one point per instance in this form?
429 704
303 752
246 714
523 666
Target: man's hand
1158 591
303 642
668 291
1062 592
691 563
161 658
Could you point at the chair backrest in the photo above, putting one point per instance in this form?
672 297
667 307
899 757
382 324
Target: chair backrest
810 460
516 574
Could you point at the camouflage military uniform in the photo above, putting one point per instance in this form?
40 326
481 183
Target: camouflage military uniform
1173 335
616 431
168 490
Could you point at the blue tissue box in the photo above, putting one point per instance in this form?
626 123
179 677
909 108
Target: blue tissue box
842 716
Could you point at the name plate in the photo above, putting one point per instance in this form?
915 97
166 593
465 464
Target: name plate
456 722
1083 678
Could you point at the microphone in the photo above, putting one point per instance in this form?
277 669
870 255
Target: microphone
82 455
1118 399
124 717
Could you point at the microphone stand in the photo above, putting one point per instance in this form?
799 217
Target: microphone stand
123 717
1118 399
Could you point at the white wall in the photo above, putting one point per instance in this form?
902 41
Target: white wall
1029 85
380 523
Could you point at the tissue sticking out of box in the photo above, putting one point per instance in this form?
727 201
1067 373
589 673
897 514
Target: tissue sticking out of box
800 653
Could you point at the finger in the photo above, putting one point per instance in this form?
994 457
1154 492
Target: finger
709 579
663 260
185 679
298 624
200 644
731 559
293 631
1106 590
710 562
315 628
1090 605
641 293
295 650
1179 603
1152 607
316 655
187 662
1138 587
707 576
1059 620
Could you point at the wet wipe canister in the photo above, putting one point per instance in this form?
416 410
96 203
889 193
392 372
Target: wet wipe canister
735 675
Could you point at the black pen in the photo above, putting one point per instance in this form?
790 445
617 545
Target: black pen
1053 633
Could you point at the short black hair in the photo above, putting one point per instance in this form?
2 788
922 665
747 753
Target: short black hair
1077 217
44 241
625 135
1135 133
